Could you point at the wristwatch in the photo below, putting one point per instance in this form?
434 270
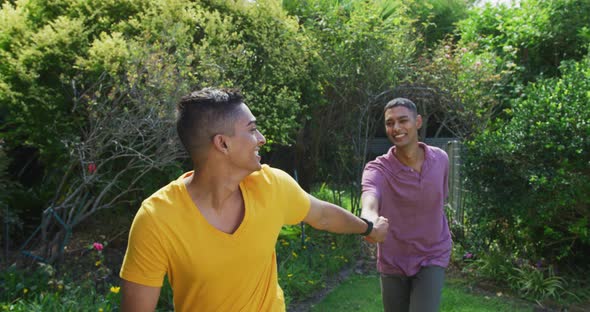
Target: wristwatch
369 227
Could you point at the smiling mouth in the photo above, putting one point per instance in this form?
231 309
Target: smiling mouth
399 136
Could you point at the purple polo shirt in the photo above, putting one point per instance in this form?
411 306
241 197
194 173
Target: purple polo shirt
414 205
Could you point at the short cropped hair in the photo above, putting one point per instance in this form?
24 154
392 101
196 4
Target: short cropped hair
402 102
203 114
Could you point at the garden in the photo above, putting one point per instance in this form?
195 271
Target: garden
88 91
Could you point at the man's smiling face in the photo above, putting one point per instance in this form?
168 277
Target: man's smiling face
401 126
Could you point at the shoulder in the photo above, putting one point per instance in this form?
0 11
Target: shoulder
384 164
437 153
167 196
268 175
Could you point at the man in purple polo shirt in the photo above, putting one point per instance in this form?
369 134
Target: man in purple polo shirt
408 186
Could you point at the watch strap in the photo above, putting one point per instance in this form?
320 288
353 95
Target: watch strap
369 227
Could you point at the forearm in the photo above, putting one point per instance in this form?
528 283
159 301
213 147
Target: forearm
370 215
338 220
370 207
329 217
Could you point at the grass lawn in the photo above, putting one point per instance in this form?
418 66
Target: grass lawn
362 293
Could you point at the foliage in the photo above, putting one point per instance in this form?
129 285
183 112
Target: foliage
96 286
362 48
257 47
544 33
538 283
436 19
300 248
126 135
533 280
68 67
458 90
46 289
8 215
530 178
493 265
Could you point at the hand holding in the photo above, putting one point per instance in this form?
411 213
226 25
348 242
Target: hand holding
379 232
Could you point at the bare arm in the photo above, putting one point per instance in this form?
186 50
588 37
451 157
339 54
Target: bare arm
138 298
370 210
328 217
370 204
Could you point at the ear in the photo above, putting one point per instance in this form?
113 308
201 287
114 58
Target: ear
418 121
220 143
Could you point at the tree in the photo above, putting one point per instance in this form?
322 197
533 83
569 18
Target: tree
362 50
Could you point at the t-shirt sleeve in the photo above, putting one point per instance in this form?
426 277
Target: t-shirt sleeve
371 181
145 261
292 197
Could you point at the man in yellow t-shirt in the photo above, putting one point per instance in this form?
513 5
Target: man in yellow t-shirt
213 230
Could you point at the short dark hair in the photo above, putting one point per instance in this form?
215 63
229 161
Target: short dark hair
402 102
205 113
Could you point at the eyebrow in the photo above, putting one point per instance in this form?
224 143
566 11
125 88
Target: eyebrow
252 122
399 117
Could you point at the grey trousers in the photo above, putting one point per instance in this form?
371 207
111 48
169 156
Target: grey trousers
418 293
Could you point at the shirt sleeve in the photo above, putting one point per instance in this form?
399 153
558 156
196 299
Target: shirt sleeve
145 261
291 196
371 182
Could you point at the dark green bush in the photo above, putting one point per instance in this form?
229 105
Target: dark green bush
530 179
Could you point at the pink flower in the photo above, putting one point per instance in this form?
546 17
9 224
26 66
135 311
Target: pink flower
91 168
98 246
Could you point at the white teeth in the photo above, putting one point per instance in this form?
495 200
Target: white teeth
400 135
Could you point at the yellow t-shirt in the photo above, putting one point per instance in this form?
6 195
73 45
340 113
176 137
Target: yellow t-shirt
210 270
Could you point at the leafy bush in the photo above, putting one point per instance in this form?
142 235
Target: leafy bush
44 289
544 33
537 283
493 265
68 66
529 179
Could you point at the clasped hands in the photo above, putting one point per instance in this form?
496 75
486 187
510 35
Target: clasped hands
379 232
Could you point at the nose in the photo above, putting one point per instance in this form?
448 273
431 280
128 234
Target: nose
260 137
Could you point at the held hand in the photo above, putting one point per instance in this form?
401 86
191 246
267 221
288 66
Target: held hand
379 232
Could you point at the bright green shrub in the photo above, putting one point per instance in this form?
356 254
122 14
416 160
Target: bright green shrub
62 58
262 50
545 32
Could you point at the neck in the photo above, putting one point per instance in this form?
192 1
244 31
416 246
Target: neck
409 155
213 186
